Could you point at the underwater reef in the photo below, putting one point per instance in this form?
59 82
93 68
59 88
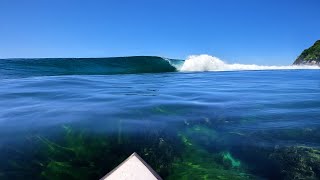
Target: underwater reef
196 150
82 155
298 162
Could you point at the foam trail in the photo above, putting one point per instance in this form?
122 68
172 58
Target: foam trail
209 63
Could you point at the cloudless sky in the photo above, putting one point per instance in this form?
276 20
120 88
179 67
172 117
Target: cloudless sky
238 31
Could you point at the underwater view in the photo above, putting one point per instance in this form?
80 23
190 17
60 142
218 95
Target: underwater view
199 118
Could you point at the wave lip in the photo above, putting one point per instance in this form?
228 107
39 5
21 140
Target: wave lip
206 62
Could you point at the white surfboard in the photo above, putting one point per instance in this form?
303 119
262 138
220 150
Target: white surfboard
133 168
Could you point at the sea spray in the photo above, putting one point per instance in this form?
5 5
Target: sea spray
210 63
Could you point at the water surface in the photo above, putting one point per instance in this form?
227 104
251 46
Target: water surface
186 125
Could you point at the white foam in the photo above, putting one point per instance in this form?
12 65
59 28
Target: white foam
209 63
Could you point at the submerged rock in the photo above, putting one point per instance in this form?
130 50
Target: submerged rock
310 56
298 162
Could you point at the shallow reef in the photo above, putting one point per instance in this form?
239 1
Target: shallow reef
82 155
200 162
195 150
298 162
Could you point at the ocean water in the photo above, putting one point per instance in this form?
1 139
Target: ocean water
200 118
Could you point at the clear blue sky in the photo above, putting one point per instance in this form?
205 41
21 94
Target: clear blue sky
244 31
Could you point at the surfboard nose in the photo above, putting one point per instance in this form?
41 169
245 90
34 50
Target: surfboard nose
133 168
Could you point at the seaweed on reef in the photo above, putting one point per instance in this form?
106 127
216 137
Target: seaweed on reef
79 157
195 151
83 155
197 162
201 132
298 162
79 154
207 156
159 150
23 163
229 160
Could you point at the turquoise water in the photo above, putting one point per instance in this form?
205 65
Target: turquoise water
78 119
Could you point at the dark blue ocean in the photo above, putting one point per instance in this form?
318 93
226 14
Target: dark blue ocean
80 118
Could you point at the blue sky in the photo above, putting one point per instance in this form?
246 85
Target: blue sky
268 32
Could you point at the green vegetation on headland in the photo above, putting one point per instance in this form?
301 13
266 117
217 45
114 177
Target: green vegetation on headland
310 56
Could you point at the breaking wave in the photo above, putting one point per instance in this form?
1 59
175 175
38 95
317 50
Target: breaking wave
209 63
12 68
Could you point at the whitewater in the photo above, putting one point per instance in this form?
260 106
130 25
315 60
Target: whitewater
206 62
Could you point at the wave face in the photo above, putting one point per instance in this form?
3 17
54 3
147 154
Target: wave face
85 66
210 63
